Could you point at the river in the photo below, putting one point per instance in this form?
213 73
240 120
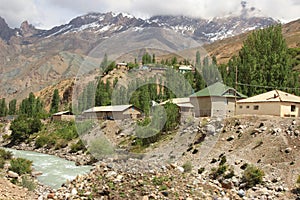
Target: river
56 171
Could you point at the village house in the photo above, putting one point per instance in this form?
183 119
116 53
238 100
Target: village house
215 100
115 112
275 102
185 68
63 116
122 64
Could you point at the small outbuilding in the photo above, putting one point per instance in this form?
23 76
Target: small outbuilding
115 112
215 100
275 102
63 116
185 68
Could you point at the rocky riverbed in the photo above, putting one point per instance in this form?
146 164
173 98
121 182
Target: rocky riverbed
270 143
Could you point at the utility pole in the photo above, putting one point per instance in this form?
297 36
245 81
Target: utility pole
236 82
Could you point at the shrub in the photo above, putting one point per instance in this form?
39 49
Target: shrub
77 146
187 166
20 165
22 127
252 176
223 160
159 180
28 183
6 155
61 143
41 141
144 122
51 142
217 172
298 180
2 162
66 130
84 127
101 147
230 174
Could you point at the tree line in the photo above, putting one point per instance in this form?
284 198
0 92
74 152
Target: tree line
264 63
31 106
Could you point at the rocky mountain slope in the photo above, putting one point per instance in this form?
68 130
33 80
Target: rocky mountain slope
183 165
32 59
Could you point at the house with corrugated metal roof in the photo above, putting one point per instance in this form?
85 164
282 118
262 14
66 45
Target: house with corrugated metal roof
114 112
215 100
275 102
63 116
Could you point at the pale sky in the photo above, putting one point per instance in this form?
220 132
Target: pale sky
46 14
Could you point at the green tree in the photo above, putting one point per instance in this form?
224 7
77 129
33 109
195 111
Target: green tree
198 60
31 105
153 58
55 102
3 108
146 59
145 100
174 61
22 127
173 116
264 60
12 107
103 94
104 62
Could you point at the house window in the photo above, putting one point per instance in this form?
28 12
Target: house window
293 108
247 106
241 107
256 107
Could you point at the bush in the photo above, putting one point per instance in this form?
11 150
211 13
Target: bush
61 143
65 130
187 166
101 147
6 155
252 176
84 127
215 173
20 165
230 174
298 180
22 127
41 141
144 122
2 162
77 146
223 160
28 183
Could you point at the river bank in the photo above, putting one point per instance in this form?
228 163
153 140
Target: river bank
80 157
49 173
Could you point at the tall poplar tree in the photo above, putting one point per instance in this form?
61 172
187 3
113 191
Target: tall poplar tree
55 101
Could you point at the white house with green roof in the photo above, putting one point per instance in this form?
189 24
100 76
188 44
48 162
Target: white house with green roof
215 100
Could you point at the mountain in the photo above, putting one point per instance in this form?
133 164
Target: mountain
199 29
32 59
5 32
